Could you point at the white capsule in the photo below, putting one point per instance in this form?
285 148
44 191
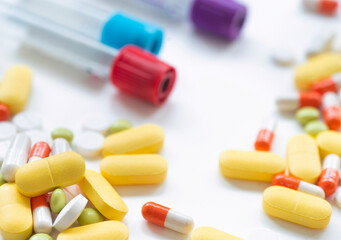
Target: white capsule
311 189
16 156
338 197
288 103
97 123
330 99
4 146
27 121
89 144
7 131
178 222
42 220
60 145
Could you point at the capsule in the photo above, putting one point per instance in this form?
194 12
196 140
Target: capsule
60 145
266 135
42 218
329 178
40 150
291 102
327 7
209 233
330 84
16 156
329 142
166 217
331 111
297 184
338 197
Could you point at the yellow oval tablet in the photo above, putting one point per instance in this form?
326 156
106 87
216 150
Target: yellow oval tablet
16 87
256 165
107 230
44 175
209 233
143 139
103 195
329 142
316 69
134 169
297 207
15 213
303 158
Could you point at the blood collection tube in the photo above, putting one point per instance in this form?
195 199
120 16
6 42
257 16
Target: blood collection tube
331 110
60 145
328 7
42 218
113 29
297 184
294 101
329 178
131 69
266 135
166 217
331 84
40 150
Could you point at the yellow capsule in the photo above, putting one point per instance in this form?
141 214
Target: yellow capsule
316 69
143 139
297 207
107 230
16 87
303 158
134 169
103 196
329 142
15 213
209 233
256 165
44 175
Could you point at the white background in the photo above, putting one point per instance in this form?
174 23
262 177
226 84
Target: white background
222 94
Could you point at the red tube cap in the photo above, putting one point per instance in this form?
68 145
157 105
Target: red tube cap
143 75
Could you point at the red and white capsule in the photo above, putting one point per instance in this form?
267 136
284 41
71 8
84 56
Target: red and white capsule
329 178
331 110
40 150
328 7
291 102
60 145
266 135
331 84
42 218
166 217
297 184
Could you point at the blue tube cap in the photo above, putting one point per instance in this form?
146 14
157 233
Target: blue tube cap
121 30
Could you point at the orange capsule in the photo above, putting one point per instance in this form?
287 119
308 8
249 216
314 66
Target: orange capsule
329 178
331 110
310 99
4 112
40 150
266 135
330 84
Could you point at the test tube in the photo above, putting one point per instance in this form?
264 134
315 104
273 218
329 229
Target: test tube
131 69
113 29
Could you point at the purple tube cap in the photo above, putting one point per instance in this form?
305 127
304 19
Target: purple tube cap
224 18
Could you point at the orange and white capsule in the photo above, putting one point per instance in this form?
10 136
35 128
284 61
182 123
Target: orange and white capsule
266 135
297 184
40 150
329 178
42 218
328 7
291 102
331 84
166 217
331 110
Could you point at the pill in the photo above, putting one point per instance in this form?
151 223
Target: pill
266 135
209 233
90 216
303 158
4 146
89 144
57 200
307 114
329 84
37 136
328 7
257 165
134 169
70 213
72 191
41 236
15 211
166 217
106 230
16 156
289 103
338 197
4 112
7 131
329 142
296 207
331 110
146 138
103 196
283 57
15 88
317 69
62 133
60 145
44 175
27 121
40 150
97 123
297 184
42 219
119 125
313 128
329 178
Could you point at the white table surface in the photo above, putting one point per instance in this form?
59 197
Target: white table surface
222 94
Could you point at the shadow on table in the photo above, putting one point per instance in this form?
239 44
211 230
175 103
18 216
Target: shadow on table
163 233
139 190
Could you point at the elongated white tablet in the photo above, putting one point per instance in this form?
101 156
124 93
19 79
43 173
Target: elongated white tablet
97 123
7 130
89 144
27 120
